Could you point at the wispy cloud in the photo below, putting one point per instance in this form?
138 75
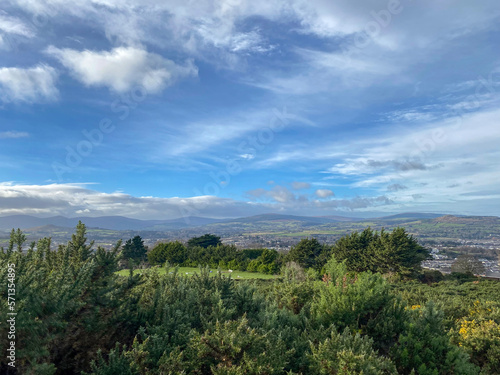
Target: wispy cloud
396 187
427 161
297 185
31 85
12 29
12 134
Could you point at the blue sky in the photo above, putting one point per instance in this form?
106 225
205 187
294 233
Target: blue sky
153 109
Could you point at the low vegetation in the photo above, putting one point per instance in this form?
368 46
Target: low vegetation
191 271
330 311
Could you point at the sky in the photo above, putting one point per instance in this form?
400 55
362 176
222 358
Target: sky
165 109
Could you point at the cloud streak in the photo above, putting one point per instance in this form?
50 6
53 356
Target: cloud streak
13 134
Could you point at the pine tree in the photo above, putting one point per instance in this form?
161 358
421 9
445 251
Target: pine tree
204 241
306 253
385 252
77 247
134 249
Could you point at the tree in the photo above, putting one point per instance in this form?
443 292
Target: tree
17 238
77 246
134 249
383 251
268 256
306 253
399 252
204 241
355 249
173 252
176 252
468 264
265 263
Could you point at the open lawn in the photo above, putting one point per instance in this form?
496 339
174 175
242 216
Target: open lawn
190 271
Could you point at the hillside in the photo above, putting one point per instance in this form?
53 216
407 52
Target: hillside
268 229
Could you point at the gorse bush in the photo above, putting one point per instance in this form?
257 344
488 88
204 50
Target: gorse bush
349 299
479 334
424 348
345 353
76 315
59 296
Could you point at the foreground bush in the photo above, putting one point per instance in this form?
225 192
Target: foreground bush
345 354
479 334
425 348
76 315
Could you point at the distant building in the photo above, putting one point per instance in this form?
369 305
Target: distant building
492 275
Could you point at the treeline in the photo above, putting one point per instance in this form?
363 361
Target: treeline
208 250
386 252
76 315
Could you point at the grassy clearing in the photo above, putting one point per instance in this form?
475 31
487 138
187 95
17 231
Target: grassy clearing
190 271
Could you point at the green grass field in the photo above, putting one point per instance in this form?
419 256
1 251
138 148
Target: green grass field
190 271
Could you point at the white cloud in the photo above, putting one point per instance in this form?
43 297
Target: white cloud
14 25
297 185
74 199
396 187
287 201
11 134
279 194
300 152
205 28
324 193
251 42
247 156
251 132
28 85
123 68
77 199
219 31
393 24
13 30
372 43
443 163
208 23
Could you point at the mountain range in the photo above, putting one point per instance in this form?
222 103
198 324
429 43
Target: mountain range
125 223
